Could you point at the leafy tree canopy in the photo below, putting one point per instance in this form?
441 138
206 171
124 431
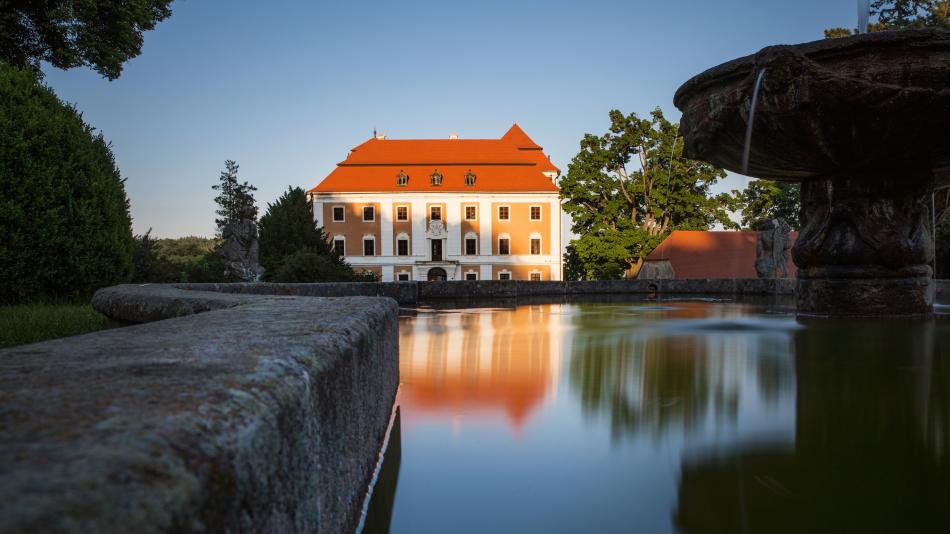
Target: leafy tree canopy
235 200
627 189
901 14
100 34
765 199
63 208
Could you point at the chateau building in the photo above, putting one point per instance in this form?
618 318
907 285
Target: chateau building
445 209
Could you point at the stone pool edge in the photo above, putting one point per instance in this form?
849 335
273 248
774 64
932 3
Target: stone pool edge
220 412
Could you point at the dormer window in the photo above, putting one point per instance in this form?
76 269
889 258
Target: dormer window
470 178
402 179
436 178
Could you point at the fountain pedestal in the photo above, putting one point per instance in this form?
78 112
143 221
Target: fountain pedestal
861 122
865 247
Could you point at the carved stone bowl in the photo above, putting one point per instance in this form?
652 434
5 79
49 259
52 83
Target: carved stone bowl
869 102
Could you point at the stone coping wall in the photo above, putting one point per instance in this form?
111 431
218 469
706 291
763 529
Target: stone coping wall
411 293
235 413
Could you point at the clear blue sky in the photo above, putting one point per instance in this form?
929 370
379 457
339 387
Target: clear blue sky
287 88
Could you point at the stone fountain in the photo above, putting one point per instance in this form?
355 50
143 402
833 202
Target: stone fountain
864 124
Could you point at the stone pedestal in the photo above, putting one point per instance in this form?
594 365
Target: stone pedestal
866 246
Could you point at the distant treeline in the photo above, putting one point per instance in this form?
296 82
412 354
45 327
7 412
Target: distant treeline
183 259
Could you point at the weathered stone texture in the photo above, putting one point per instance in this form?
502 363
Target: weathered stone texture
265 415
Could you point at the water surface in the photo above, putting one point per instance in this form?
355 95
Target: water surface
671 417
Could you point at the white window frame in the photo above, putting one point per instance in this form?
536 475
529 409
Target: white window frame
465 211
407 213
408 276
333 213
500 237
441 212
504 272
340 238
469 235
532 237
540 212
536 272
468 272
363 212
403 236
498 212
369 238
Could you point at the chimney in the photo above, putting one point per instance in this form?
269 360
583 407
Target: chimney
453 136
381 137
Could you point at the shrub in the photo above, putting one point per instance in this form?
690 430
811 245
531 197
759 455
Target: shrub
64 215
314 266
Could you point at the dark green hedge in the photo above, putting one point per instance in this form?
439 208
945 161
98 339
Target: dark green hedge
65 228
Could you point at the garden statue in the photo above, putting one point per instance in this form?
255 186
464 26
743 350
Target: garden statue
241 251
772 248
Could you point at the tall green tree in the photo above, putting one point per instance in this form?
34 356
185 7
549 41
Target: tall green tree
294 249
901 14
767 199
101 34
235 199
65 228
627 189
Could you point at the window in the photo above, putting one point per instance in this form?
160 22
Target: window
535 213
402 247
470 213
369 213
503 213
535 246
402 213
402 277
435 213
471 246
369 246
535 276
339 245
504 275
471 275
402 179
436 178
470 178
504 247
339 214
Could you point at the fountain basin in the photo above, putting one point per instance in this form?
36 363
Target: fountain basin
862 122
869 102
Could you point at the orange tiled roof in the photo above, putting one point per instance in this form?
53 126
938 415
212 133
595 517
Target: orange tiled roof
513 163
701 254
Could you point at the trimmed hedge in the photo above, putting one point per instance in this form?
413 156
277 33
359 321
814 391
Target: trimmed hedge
65 228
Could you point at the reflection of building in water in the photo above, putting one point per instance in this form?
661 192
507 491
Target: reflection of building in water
479 362
628 365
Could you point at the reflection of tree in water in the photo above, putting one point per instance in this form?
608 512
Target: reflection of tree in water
871 446
646 380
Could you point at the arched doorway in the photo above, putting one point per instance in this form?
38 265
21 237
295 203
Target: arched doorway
437 274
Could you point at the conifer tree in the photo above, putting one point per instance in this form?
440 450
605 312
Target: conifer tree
235 199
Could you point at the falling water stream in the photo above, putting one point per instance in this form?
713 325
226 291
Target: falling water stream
748 129
864 15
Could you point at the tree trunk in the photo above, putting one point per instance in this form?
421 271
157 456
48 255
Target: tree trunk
634 269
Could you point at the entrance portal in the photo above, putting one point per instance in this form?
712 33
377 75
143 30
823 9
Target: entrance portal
437 274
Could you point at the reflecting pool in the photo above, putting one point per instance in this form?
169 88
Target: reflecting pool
666 417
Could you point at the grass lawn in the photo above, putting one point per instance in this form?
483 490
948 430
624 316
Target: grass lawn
28 323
